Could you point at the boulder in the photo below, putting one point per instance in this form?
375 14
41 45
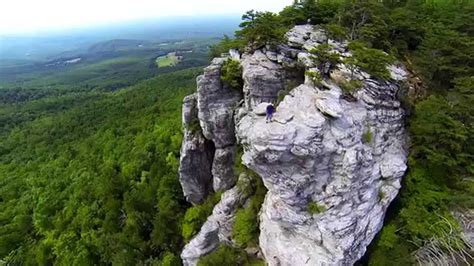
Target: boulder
261 109
234 54
328 104
306 36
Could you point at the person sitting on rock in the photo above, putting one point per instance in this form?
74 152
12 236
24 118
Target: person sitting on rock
270 111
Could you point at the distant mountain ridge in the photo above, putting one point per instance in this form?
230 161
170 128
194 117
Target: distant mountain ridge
118 44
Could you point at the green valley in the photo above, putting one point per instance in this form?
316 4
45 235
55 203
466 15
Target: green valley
91 178
91 132
89 151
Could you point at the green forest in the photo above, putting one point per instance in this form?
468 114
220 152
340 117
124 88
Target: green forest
97 183
88 172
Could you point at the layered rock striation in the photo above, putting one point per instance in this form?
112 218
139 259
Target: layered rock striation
307 157
331 165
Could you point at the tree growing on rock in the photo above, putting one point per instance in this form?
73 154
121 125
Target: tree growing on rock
261 28
314 12
373 61
225 45
231 74
335 31
324 58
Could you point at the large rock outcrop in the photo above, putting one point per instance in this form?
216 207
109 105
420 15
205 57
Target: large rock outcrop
196 156
208 148
216 103
331 167
308 157
332 162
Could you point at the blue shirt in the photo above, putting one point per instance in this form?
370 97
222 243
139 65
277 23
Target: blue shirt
270 109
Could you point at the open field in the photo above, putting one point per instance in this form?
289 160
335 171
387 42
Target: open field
168 60
106 66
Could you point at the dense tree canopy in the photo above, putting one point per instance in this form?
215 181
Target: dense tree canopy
96 184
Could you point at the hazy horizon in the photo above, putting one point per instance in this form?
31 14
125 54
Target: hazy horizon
26 17
43 45
163 22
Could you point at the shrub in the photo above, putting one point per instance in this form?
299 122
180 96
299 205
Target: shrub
194 126
170 259
239 168
315 208
315 77
224 255
231 74
335 31
350 86
195 216
324 58
382 195
367 136
229 256
245 226
388 236
246 231
373 61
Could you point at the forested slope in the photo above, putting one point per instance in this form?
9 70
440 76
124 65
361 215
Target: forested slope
97 183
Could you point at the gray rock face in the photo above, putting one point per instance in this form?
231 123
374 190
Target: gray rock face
223 168
196 157
345 158
218 227
189 110
312 156
263 79
306 36
261 109
216 104
331 166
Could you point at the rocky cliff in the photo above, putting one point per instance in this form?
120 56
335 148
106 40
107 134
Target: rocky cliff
331 165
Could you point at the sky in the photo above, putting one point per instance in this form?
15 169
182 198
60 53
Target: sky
27 16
